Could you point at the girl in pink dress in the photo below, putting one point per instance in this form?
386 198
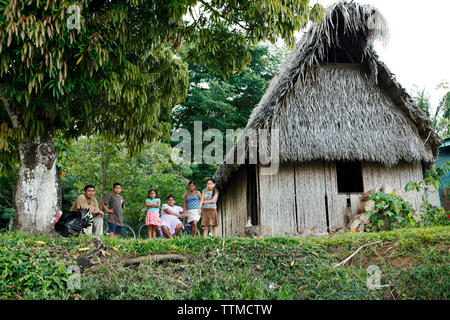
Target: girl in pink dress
152 220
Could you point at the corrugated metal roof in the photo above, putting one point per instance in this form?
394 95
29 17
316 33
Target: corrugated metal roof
445 144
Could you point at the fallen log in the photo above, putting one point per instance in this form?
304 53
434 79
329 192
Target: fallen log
156 257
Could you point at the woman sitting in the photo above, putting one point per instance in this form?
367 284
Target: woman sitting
170 218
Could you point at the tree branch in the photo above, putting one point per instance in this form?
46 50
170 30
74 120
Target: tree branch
12 115
6 200
212 10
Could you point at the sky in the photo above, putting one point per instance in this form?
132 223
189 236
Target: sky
418 50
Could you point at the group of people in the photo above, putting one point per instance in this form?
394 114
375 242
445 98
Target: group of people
196 205
113 203
167 217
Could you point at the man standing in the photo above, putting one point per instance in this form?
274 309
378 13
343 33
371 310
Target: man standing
87 200
115 208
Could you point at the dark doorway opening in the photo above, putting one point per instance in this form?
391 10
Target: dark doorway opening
252 195
349 176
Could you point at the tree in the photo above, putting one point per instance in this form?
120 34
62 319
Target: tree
97 162
422 100
440 120
225 103
113 73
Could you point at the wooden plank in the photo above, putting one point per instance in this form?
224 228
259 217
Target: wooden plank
267 205
299 194
228 217
337 204
355 200
404 174
220 228
239 203
231 207
331 188
388 176
376 170
336 217
367 173
310 193
242 203
285 223
416 175
258 195
377 175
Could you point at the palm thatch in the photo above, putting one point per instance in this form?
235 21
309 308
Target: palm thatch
333 99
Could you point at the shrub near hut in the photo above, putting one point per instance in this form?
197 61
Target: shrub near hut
390 211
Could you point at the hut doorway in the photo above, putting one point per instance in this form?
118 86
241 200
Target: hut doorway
252 194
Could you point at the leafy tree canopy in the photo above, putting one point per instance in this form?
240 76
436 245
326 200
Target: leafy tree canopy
225 104
117 75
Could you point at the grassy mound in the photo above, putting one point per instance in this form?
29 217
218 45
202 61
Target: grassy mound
413 262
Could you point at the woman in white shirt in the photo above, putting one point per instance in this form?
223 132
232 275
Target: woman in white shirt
170 218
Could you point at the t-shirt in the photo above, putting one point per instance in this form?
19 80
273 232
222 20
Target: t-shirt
153 201
176 209
117 203
208 196
192 201
83 202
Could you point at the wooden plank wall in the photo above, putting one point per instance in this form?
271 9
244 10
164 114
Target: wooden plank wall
232 206
292 202
277 201
416 175
310 185
337 203
377 175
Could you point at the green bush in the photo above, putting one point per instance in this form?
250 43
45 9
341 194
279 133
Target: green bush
390 211
30 274
231 268
431 215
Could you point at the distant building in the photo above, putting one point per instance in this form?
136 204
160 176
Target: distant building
444 190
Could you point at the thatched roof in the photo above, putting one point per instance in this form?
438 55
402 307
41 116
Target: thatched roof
333 99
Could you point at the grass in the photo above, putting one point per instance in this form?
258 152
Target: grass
414 262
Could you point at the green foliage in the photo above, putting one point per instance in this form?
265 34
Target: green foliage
431 215
113 76
224 104
95 161
390 211
117 74
223 29
442 116
422 100
29 272
7 186
233 268
5 215
440 120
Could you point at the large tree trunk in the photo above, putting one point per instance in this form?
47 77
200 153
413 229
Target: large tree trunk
37 193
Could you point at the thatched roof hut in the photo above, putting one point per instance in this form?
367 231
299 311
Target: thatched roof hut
332 101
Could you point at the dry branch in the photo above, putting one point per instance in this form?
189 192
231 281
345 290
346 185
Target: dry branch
351 256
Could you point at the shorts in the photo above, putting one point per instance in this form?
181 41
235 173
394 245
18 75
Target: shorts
193 215
114 228
210 217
